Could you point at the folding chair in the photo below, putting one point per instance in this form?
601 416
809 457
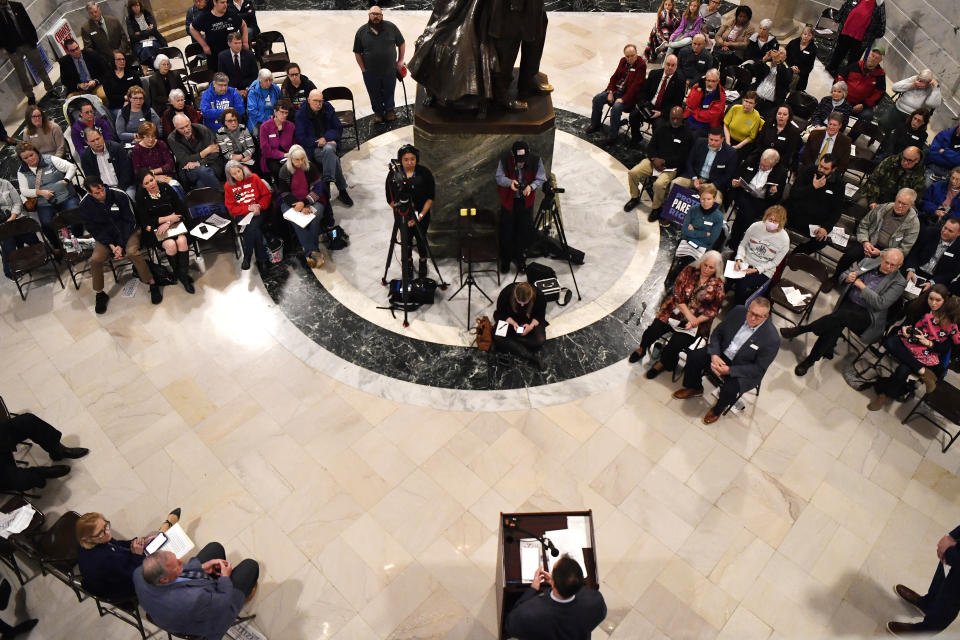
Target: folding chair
57 551
25 260
827 22
347 118
816 272
17 541
270 57
127 611
205 202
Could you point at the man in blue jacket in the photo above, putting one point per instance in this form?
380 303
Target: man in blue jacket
201 597
712 160
218 97
944 154
942 602
741 349
108 215
318 132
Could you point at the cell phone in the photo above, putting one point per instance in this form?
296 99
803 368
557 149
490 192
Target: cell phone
155 544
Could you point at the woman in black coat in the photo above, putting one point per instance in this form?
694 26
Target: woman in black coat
159 209
801 54
524 310
144 35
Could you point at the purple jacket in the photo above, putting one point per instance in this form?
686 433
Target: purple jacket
683 31
101 125
274 144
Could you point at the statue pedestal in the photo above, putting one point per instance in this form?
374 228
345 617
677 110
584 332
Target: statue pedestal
462 152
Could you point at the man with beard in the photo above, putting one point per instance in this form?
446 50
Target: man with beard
376 47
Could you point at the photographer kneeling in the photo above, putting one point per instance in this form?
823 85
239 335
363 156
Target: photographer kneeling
519 175
524 310
410 192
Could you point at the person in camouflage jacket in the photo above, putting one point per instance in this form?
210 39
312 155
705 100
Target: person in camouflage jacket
904 169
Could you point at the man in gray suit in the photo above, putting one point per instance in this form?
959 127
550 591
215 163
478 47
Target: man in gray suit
200 598
741 349
102 34
870 287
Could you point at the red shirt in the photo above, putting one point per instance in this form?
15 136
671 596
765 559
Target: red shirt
240 196
859 19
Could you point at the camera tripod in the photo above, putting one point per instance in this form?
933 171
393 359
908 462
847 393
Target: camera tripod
549 215
406 270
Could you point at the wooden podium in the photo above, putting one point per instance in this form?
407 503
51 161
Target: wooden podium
510 585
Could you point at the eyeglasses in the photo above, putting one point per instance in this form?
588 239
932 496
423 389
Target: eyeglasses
758 316
293 75
104 531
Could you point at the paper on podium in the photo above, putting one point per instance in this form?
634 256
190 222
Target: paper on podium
731 272
529 558
298 218
567 541
581 525
15 521
178 542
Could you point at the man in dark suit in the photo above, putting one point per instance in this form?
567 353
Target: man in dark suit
942 602
81 71
18 38
239 64
107 160
566 611
741 349
829 140
201 597
663 89
815 199
27 426
102 34
712 160
760 186
936 255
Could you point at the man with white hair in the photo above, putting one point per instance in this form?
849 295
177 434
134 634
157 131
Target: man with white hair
196 152
318 132
918 91
102 34
107 160
695 60
262 96
759 187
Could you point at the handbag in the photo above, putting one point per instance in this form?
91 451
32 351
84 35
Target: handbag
30 204
484 334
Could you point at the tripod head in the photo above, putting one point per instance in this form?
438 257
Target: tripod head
402 187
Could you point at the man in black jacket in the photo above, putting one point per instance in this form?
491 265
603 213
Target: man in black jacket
567 611
82 71
108 216
18 38
759 187
695 60
942 602
666 153
107 160
239 64
771 81
936 255
663 89
815 199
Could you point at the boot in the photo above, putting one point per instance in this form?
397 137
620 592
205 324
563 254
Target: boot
878 403
182 271
423 269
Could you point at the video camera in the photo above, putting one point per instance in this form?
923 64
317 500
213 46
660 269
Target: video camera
400 183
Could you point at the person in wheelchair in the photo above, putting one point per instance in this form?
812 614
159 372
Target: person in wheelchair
920 345
696 299
160 209
417 180
524 311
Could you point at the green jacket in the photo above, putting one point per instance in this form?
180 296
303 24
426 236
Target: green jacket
903 238
889 177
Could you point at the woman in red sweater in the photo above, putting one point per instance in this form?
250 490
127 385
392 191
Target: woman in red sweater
246 193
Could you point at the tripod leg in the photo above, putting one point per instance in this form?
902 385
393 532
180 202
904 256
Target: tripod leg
562 235
386 267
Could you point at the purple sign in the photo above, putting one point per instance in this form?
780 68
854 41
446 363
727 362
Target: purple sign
678 202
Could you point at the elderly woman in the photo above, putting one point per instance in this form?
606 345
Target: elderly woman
118 81
45 136
245 193
277 137
524 312
921 343
760 42
302 189
48 179
159 209
234 140
162 83
688 311
941 199
921 91
107 565
178 104
666 23
764 246
836 101
133 115
801 54
144 35
262 97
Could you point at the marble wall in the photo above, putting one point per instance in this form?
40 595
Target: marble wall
920 34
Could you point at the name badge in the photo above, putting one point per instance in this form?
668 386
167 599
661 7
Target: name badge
754 347
115 207
36 135
268 100
272 135
677 141
142 118
721 166
93 33
709 223
947 254
898 239
781 139
828 191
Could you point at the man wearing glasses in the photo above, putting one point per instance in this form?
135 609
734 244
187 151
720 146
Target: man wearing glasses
379 48
741 349
904 169
81 71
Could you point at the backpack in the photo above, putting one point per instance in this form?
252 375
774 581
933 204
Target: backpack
484 334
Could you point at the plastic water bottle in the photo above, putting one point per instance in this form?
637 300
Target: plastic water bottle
201 263
75 243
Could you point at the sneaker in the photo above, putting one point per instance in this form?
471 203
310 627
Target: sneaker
156 294
345 198
102 300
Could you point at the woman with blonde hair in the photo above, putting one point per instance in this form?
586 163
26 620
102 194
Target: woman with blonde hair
523 310
301 187
764 246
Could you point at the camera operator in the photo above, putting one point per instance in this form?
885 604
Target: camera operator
410 192
519 175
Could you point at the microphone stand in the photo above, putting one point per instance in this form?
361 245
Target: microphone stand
544 541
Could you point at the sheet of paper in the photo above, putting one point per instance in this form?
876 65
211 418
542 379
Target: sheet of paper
675 325
839 237
299 218
529 558
731 272
175 230
850 189
245 220
15 521
567 542
823 32
204 231
733 96
813 229
502 328
580 525
217 221
130 288
795 297
912 288
178 541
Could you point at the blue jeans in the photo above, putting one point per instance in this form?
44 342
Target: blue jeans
326 156
204 177
616 112
308 236
252 239
380 88
46 212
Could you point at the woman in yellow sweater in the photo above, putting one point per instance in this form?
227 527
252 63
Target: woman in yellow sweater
742 124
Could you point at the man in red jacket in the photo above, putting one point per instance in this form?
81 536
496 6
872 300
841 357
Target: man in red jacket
621 92
706 104
866 84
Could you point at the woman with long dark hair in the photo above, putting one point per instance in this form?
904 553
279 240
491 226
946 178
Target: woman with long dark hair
144 35
118 81
667 21
45 136
160 209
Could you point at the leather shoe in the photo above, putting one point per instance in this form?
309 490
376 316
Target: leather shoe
711 417
909 595
23 627
654 214
684 393
636 355
828 285
801 369
69 452
631 204
55 471
789 332
655 370
591 128
904 628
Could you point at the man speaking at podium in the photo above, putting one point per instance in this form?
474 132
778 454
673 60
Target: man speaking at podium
566 612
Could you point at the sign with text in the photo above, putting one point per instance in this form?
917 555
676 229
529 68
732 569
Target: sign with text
61 31
678 202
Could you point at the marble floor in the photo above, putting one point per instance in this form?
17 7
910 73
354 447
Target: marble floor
372 504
